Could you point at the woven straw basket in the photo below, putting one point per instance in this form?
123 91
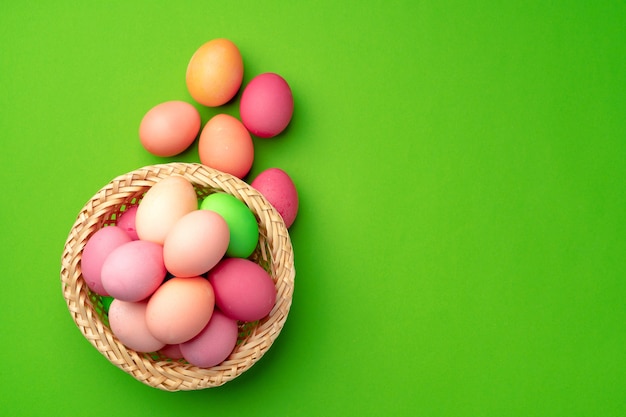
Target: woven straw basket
274 253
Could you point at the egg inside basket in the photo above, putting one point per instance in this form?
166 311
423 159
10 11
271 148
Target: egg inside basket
274 253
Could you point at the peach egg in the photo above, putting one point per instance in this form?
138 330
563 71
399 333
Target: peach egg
179 309
195 243
226 145
169 128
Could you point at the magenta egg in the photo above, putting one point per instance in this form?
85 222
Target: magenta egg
243 289
266 105
278 188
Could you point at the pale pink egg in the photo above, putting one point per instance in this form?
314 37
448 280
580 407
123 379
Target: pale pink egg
196 243
163 204
278 188
134 270
226 145
128 323
266 105
179 309
126 221
169 128
243 289
213 344
98 247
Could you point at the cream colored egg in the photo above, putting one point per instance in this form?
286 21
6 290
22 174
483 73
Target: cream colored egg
162 206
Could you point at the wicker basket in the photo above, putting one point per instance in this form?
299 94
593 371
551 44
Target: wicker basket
274 253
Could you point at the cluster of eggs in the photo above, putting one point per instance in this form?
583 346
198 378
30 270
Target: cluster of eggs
174 272
177 274
214 76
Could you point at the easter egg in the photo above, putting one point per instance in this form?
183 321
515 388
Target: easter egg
179 309
196 243
213 344
106 302
169 128
171 351
266 105
128 323
134 270
278 188
243 290
96 250
243 226
126 222
215 72
163 204
226 145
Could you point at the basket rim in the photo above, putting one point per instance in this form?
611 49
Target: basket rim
275 245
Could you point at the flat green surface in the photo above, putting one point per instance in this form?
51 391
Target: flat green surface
460 247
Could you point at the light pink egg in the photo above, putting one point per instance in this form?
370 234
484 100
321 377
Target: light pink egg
278 188
266 105
196 243
126 221
163 204
134 270
96 250
169 128
128 324
243 289
179 309
213 344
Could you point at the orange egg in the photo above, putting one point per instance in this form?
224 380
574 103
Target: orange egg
180 309
215 73
226 145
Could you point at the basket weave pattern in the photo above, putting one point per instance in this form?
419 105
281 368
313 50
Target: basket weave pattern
274 253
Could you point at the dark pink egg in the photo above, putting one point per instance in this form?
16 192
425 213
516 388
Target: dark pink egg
266 105
243 290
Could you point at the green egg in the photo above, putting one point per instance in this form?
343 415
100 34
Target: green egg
106 303
243 227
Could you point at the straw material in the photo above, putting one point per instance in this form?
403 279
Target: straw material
274 253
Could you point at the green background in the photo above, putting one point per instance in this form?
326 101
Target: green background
461 169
